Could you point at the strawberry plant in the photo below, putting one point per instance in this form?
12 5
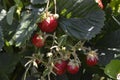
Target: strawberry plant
59 40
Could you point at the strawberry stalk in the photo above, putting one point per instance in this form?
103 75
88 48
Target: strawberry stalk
55 6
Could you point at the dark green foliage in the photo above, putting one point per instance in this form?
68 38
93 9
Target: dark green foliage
38 1
79 20
24 29
2 15
7 64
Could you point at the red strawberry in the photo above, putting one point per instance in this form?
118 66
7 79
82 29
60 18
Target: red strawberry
38 40
49 24
60 67
92 58
100 3
73 67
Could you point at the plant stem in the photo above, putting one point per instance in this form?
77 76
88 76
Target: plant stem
54 37
48 2
25 74
49 76
55 6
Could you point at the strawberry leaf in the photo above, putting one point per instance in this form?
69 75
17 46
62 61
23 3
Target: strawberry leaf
111 30
83 22
38 1
25 29
1 38
113 68
10 15
7 64
2 15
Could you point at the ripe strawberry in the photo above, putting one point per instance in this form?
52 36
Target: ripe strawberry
38 41
73 67
92 58
60 67
100 3
49 24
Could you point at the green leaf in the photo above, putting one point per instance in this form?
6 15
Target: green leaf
112 69
114 4
4 77
2 15
111 40
17 1
8 30
1 39
111 30
19 6
109 35
25 29
8 62
10 15
80 18
112 24
38 1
